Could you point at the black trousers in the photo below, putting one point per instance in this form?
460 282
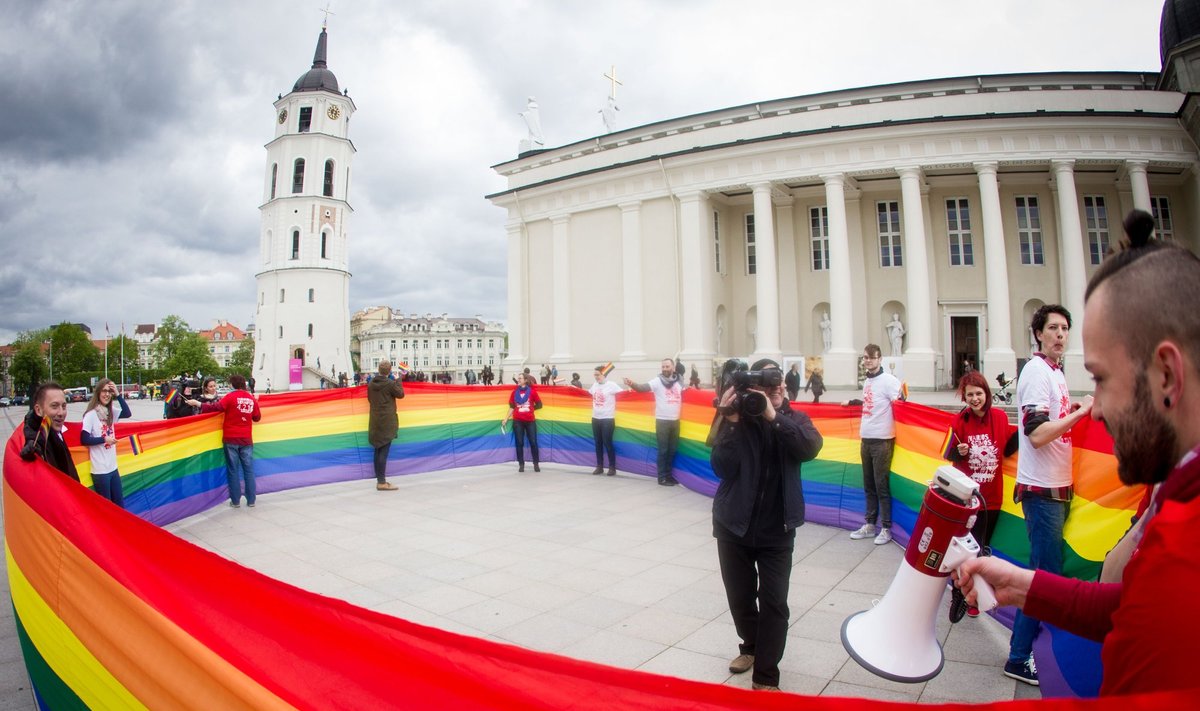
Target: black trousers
756 585
666 434
602 432
521 430
381 457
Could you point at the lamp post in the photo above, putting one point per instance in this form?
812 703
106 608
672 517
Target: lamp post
50 350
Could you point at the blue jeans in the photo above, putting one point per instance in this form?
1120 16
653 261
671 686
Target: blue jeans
239 465
1044 521
109 486
666 433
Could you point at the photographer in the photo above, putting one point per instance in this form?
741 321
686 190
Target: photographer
178 392
759 444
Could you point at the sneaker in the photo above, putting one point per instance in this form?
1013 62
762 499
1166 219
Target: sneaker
386 486
885 536
536 468
234 505
763 687
867 530
521 467
612 471
1025 671
742 664
250 505
958 605
667 481
597 470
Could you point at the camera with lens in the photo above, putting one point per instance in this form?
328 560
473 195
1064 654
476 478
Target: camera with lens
747 401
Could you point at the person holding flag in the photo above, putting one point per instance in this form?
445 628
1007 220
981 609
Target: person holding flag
43 428
100 437
604 412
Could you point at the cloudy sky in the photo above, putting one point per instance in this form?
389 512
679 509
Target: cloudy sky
132 160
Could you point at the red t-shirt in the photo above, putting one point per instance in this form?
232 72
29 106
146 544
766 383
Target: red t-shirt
523 403
240 409
986 437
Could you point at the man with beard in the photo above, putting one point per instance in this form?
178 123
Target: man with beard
1141 338
756 510
668 404
1044 480
44 424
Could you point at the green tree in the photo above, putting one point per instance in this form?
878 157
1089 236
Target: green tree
190 353
28 364
242 359
72 350
170 333
116 346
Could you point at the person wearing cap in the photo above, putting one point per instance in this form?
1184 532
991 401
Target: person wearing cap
604 412
758 506
382 421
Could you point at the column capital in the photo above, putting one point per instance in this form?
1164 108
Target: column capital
1063 165
910 171
985 167
690 196
630 206
833 178
513 227
1137 165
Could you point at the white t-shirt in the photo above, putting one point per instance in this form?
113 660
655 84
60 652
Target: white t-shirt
667 401
1043 388
604 399
878 395
103 456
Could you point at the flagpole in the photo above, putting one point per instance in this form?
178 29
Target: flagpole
123 354
106 339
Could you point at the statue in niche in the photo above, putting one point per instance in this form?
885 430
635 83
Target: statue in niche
533 122
896 333
720 333
826 331
608 114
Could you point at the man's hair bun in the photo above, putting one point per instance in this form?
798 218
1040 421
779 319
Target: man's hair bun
1139 225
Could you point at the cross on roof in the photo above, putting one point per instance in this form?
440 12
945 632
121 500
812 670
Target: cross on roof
611 76
328 12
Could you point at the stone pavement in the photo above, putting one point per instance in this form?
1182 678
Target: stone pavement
615 570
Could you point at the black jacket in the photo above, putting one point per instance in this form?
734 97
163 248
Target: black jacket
49 447
739 461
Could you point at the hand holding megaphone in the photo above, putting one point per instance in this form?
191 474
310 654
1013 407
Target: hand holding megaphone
1007 584
964 549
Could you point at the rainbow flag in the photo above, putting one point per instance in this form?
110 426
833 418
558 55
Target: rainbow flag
607 368
950 443
113 611
135 443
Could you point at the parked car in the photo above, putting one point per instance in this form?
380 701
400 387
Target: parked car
5 402
21 400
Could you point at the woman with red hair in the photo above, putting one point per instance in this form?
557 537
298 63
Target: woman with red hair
982 437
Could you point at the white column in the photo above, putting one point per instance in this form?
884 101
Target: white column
766 284
631 280
694 278
561 247
518 280
919 359
1074 269
999 356
1140 184
789 303
841 362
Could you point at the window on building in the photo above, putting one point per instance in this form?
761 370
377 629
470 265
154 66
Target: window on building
324 245
281 296
888 212
458 343
460 358
1164 225
310 330
327 190
281 331
818 218
295 244
312 295
1029 230
958 231
305 118
298 176
751 257
717 240
262 298
1095 216
274 178
217 336
262 362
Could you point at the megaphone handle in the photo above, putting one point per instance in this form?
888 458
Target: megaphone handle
985 596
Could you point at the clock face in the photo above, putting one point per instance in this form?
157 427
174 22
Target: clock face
282 115
334 112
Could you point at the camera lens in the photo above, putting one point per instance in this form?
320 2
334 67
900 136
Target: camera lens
753 403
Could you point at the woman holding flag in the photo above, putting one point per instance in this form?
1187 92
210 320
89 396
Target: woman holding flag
100 437
979 439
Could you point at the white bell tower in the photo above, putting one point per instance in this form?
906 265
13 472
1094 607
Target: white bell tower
303 310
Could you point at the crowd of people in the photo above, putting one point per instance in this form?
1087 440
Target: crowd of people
1141 340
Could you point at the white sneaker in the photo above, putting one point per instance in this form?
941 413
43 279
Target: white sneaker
885 536
866 531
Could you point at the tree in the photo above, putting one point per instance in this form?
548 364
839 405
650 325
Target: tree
189 354
118 345
72 350
242 359
168 336
28 364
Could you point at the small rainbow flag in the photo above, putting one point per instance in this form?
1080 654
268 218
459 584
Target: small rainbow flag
46 428
904 389
950 443
607 368
402 367
135 443
171 394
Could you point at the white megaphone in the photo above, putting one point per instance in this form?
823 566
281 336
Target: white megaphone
897 639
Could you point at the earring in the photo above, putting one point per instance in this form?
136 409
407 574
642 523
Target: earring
1167 402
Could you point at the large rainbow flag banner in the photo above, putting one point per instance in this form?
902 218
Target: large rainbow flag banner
114 612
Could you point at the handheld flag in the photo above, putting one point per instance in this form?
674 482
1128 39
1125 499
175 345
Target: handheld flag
135 443
607 368
950 443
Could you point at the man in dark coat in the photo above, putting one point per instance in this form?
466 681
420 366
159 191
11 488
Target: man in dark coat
756 510
43 428
382 423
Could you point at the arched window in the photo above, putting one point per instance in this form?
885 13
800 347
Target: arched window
281 331
281 296
274 178
328 178
217 336
298 176
311 293
324 244
295 244
310 330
